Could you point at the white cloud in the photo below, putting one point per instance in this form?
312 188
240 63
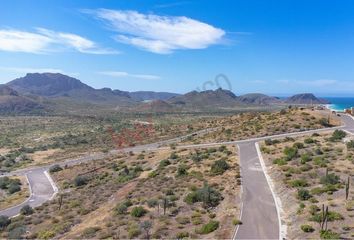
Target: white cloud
310 83
44 41
118 74
160 34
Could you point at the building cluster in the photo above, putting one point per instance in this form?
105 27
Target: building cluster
349 110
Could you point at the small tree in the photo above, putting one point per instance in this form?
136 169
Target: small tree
26 210
4 222
146 226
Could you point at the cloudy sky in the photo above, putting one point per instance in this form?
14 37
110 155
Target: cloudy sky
275 47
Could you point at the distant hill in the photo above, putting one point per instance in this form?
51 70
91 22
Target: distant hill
155 106
11 102
149 95
305 98
257 99
47 84
56 85
204 99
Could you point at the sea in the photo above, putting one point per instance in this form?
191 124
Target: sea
340 103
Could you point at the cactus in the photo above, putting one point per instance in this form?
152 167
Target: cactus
324 220
347 187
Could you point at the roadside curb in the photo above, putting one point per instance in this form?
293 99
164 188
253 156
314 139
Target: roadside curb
55 188
277 201
241 195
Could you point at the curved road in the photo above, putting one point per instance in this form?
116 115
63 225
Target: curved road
259 212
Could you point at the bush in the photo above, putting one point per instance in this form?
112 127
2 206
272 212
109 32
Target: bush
330 179
307 228
236 222
26 210
209 196
55 168
290 153
80 181
338 135
303 194
219 167
309 141
299 183
350 145
14 187
182 235
121 209
182 170
4 222
332 216
305 158
46 234
138 212
164 163
329 235
298 145
209 227
133 231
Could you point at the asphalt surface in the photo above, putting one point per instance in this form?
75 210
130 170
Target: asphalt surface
41 191
259 213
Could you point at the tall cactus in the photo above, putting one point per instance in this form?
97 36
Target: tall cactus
347 187
324 219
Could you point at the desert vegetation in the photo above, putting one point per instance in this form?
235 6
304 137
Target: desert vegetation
13 190
253 124
313 176
169 193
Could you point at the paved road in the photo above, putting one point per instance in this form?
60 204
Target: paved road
260 220
41 191
259 215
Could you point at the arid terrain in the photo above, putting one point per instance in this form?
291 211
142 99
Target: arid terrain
311 173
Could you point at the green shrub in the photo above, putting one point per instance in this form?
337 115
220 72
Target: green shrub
350 145
330 179
80 181
133 231
26 210
280 161
183 220
309 141
55 168
303 194
182 235
298 145
219 167
4 222
290 153
332 216
14 187
305 158
138 212
164 163
182 171
338 135
329 235
207 195
236 222
209 227
307 228
45 234
299 183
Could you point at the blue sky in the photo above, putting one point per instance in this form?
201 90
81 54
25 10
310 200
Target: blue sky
275 47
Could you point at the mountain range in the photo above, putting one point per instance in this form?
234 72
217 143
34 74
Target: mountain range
48 92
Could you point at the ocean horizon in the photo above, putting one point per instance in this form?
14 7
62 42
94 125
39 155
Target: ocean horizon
340 103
